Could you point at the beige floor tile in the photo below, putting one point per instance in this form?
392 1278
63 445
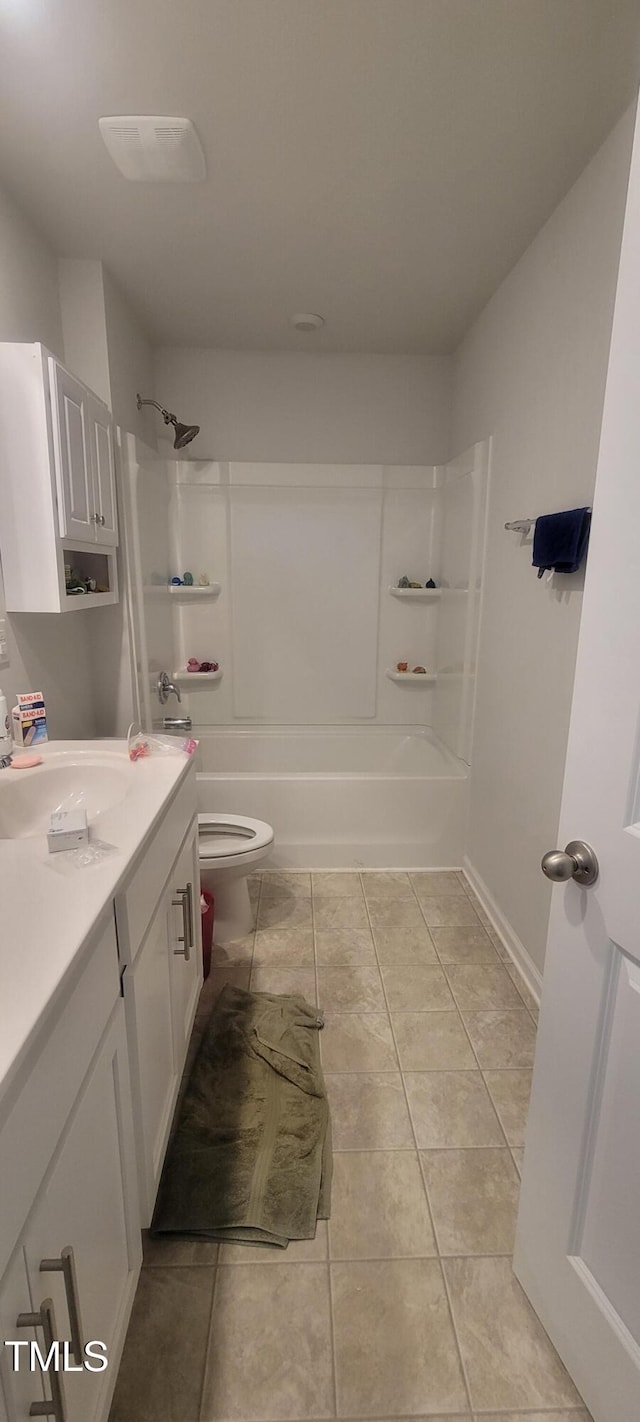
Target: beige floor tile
464 945
518 1155
433 1041
294 982
270 1348
525 992
394 913
437 883
474 1200
350 1042
344 946
405 947
337 912
162 1366
283 947
395 1347
368 1111
286 882
573 1416
482 985
502 1039
286 912
510 1092
237 974
421 989
350 990
298 1251
167 1252
389 885
338 885
452 1109
240 951
449 911
510 1362
378 1207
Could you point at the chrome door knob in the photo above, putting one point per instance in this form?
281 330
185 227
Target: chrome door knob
577 861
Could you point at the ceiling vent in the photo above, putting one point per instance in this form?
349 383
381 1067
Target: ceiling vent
149 149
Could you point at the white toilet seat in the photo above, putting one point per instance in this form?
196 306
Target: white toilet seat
232 839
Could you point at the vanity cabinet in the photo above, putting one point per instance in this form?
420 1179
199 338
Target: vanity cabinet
75 1267
161 992
57 460
84 1125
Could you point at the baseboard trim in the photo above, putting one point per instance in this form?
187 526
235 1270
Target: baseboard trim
514 946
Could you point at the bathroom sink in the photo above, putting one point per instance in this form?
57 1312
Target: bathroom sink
93 782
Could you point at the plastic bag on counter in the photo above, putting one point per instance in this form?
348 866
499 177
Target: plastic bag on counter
86 856
145 743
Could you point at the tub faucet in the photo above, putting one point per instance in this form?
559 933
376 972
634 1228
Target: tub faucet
165 687
5 761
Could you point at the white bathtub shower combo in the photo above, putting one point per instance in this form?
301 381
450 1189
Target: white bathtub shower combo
302 728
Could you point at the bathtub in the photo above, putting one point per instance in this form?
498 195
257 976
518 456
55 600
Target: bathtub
340 797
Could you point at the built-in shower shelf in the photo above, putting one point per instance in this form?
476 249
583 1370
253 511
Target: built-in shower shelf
194 592
184 677
426 678
419 594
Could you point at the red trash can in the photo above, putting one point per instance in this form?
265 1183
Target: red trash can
206 909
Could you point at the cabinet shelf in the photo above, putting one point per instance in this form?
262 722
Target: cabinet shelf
419 594
194 592
185 678
425 678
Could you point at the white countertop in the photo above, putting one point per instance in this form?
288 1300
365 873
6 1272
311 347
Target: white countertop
46 916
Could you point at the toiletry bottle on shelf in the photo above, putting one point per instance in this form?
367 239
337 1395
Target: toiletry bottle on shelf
6 741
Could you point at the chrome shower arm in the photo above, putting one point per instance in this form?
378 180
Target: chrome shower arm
167 417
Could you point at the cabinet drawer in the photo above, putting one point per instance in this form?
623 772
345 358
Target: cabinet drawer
136 904
34 1124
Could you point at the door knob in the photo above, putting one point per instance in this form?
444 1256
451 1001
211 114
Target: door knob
577 861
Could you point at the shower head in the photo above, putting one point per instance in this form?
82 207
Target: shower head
183 434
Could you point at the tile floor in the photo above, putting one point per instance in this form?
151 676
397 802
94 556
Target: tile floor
405 1304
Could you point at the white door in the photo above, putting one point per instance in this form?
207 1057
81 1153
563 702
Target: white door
578 1241
89 1203
100 437
76 504
186 946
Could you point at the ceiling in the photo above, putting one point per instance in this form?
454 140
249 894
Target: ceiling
382 162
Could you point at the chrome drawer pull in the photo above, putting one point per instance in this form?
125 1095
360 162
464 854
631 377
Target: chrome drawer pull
46 1320
66 1265
183 901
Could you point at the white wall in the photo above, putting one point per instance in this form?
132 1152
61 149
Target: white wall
531 373
45 653
289 407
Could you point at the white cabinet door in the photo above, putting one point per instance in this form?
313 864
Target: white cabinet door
89 1204
100 437
76 504
155 1074
18 1385
186 945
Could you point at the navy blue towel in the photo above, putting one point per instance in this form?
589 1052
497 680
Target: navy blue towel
560 541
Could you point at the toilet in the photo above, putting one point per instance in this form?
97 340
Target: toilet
230 847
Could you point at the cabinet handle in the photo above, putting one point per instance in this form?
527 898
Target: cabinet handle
183 902
98 518
192 934
46 1320
66 1265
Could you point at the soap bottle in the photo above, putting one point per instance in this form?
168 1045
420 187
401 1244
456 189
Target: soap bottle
6 741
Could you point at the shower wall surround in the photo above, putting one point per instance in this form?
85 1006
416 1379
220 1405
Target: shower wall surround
304 626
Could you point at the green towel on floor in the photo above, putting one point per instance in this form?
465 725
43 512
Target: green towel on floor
250 1157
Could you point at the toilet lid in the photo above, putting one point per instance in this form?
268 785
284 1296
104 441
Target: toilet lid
222 835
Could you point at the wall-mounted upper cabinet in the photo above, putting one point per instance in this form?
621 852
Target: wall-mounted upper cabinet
84 460
58 514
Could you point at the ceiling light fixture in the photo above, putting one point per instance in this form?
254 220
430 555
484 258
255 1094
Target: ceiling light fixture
307 321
